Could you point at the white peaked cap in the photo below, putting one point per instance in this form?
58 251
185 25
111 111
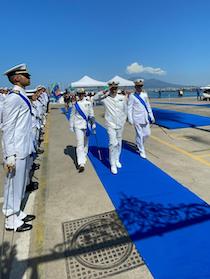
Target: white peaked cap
18 69
40 87
30 92
81 91
139 81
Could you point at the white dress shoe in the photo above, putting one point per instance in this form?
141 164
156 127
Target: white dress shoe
114 169
143 155
22 215
118 165
13 222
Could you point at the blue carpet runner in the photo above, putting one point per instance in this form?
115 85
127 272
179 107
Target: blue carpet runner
172 119
66 112
182 104
169 225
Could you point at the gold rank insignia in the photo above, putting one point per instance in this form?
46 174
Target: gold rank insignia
16 91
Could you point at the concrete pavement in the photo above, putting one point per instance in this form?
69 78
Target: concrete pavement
64 197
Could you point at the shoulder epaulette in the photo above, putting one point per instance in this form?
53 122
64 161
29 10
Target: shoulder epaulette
14 91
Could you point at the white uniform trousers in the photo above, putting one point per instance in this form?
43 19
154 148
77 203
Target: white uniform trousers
29 163
34 133
82 146
14 187
142 132
37 136
115 144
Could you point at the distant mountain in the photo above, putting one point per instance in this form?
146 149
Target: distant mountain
156 83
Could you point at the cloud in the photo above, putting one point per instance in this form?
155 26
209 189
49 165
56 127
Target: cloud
136 68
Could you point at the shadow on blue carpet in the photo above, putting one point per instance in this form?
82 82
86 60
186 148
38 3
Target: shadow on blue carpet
168 224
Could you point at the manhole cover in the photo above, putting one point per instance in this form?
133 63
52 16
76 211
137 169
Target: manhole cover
98 246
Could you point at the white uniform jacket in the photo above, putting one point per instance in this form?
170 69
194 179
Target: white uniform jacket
137 112
1 109
115 109
39 107
44 101
35 117
17 126
76 120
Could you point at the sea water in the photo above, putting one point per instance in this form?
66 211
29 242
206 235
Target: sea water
171 94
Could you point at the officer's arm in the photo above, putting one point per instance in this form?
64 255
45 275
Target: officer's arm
125 106
100 96
11 110
130 109
71 120
91 111
150 110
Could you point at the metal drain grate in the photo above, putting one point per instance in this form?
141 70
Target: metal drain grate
97 247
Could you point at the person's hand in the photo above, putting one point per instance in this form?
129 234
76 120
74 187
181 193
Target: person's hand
71 129
93 126
10 163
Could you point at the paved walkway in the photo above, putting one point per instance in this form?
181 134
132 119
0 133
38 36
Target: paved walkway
64 196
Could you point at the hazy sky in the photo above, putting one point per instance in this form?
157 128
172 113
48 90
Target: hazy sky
62 40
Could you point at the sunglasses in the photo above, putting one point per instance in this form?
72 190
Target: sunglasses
28 76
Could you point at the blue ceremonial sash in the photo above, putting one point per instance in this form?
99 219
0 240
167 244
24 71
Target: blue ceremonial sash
24 99
144 104
84 117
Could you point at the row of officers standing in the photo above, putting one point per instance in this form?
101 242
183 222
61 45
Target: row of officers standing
118 108
22 119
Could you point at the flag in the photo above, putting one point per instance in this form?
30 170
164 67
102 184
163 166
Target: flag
55 91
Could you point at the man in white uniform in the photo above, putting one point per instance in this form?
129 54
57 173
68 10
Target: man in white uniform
17 147
140 115
1 105
82 116
3 93
115 117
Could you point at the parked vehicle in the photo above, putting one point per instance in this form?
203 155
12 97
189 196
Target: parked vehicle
205 93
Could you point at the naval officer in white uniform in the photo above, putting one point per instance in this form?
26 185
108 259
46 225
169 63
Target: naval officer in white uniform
115 117
1 105
140 115
17 147
81 122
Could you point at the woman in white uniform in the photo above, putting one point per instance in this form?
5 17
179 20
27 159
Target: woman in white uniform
81 122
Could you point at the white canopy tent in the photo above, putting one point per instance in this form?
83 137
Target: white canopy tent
87 81
122 81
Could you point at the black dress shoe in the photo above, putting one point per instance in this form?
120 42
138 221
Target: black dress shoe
28 218
23 228
35 166
40 151
81 168
32 186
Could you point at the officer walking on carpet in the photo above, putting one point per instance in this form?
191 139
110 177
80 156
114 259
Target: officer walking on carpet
140 115
17 147
81 122
115 117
